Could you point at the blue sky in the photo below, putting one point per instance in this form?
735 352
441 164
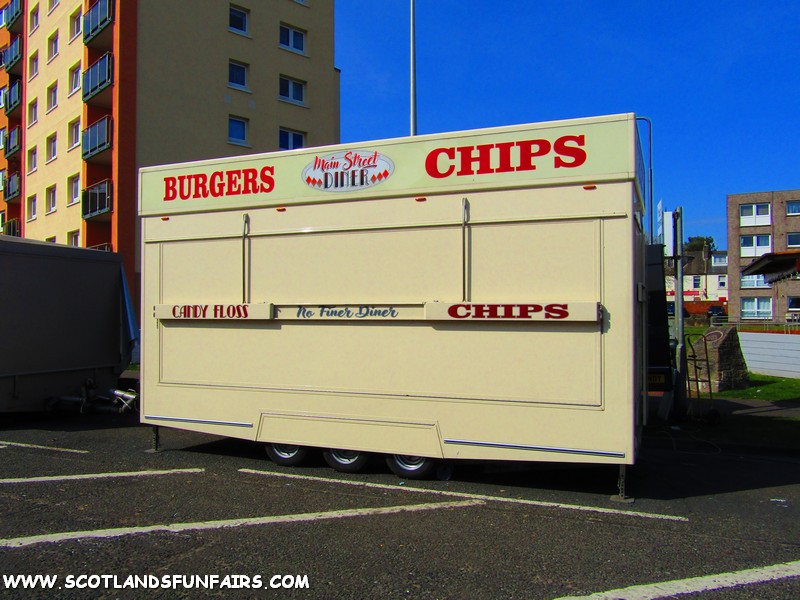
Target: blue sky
719 79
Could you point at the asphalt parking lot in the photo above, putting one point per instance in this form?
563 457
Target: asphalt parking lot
83 502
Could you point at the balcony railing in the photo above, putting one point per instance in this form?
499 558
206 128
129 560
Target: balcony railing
13 97
12 227
102 247
96 19
11 193
13 12
97 200
12 143
96 138
98 77
12 54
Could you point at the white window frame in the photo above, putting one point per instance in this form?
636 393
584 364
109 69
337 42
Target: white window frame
52 47
246 18
722 282
245 69
792 208
749 282
719 260
74 134
75 79
30 208
789 302
73 189
75 24
291 133
246 124
51 200
52 97
33 112
33 65
292 86
759 213
761 307
796 242
32 159
750 245
74 238
292 33
33 19
51 148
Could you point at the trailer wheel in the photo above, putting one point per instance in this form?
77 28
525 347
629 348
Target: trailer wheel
346 461
288 455
411 467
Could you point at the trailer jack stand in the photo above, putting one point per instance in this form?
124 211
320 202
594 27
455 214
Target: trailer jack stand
621 497
156 440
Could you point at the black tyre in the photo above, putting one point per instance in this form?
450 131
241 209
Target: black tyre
412 467
346 461
288 455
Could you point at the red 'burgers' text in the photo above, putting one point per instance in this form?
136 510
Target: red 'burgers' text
234 182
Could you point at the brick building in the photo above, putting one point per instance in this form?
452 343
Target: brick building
759 223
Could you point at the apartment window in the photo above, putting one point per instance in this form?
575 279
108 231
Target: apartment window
51 4
237 74
237 130
32 160
3 92
793 207
30 208
74 238
2 179
292 90
51 240
74 79
239 20
753 281
2 138
293 39
52 46
50 199
754 214
290 140
696 282
52 97
74 133
754 245
75 22
33 19
33 65
757 308
722 281
33 112
52 147
719 260
73 189
793 303
793 240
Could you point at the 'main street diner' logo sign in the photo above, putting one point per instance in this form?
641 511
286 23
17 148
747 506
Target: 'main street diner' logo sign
348 171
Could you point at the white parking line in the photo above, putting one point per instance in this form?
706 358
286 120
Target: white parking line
50 478
668 589
38 447
230 523
593 509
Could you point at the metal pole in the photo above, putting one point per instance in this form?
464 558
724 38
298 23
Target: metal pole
680 350
413 73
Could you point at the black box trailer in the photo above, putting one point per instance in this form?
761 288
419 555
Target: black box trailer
67 326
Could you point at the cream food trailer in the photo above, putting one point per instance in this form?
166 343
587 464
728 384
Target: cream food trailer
469 295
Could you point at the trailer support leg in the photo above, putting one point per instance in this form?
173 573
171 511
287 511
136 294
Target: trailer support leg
156 440
621 496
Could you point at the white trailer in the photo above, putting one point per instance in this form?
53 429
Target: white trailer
470 295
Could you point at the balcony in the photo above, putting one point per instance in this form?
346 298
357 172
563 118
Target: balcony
12 191
97 139
12 228
12 58
97 31
98 78
13 13
13 99
97 201
102 247
12 143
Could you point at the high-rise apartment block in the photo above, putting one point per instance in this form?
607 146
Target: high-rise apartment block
94 89
760 223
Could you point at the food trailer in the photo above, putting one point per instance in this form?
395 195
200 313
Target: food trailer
469 295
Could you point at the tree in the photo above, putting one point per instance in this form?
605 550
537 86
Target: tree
696 242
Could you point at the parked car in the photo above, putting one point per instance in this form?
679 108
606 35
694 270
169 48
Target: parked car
671 310
716 311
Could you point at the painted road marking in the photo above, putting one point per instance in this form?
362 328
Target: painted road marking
229 523
38 447
696 585
98 476
382 486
